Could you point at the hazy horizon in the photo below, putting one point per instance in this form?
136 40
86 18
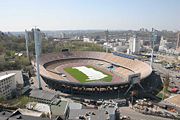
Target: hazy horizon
54 15
56 30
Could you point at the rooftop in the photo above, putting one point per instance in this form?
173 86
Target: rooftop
6 76
73 105
41 94
60 109
4 115
29 112
175 100
18 76
94 114
41 107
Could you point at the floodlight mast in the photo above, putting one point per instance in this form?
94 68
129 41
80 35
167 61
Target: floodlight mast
37 38
27 43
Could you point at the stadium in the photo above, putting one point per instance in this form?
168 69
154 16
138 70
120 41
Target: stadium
88 71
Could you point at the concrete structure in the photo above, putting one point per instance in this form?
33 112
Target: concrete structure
134 45
7 85
38 40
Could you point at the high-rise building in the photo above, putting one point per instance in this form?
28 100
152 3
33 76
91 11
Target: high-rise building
107 39
134 45
178 41
62 35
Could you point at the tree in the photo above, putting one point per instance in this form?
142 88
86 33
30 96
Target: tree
10 53
1 48
166 82
1 99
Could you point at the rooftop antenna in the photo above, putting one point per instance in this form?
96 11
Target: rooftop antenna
37 38
107 39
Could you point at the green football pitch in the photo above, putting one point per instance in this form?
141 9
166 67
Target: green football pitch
82 78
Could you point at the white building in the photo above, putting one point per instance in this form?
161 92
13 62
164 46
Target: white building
7 85
166 46
120 48
134 45
62 35
163 41
89 40
85 39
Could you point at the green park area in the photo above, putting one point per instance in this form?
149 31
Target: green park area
15 103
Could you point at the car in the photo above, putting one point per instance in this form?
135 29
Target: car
63 75
178 77
175 90
32 82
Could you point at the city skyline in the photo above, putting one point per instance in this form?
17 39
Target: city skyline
90 14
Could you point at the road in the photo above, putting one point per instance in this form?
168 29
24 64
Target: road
35 84
159 68
126 111
163 70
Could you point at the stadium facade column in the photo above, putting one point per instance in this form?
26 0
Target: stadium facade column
79 89
71 90
85 89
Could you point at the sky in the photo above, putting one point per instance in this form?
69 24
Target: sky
18 15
